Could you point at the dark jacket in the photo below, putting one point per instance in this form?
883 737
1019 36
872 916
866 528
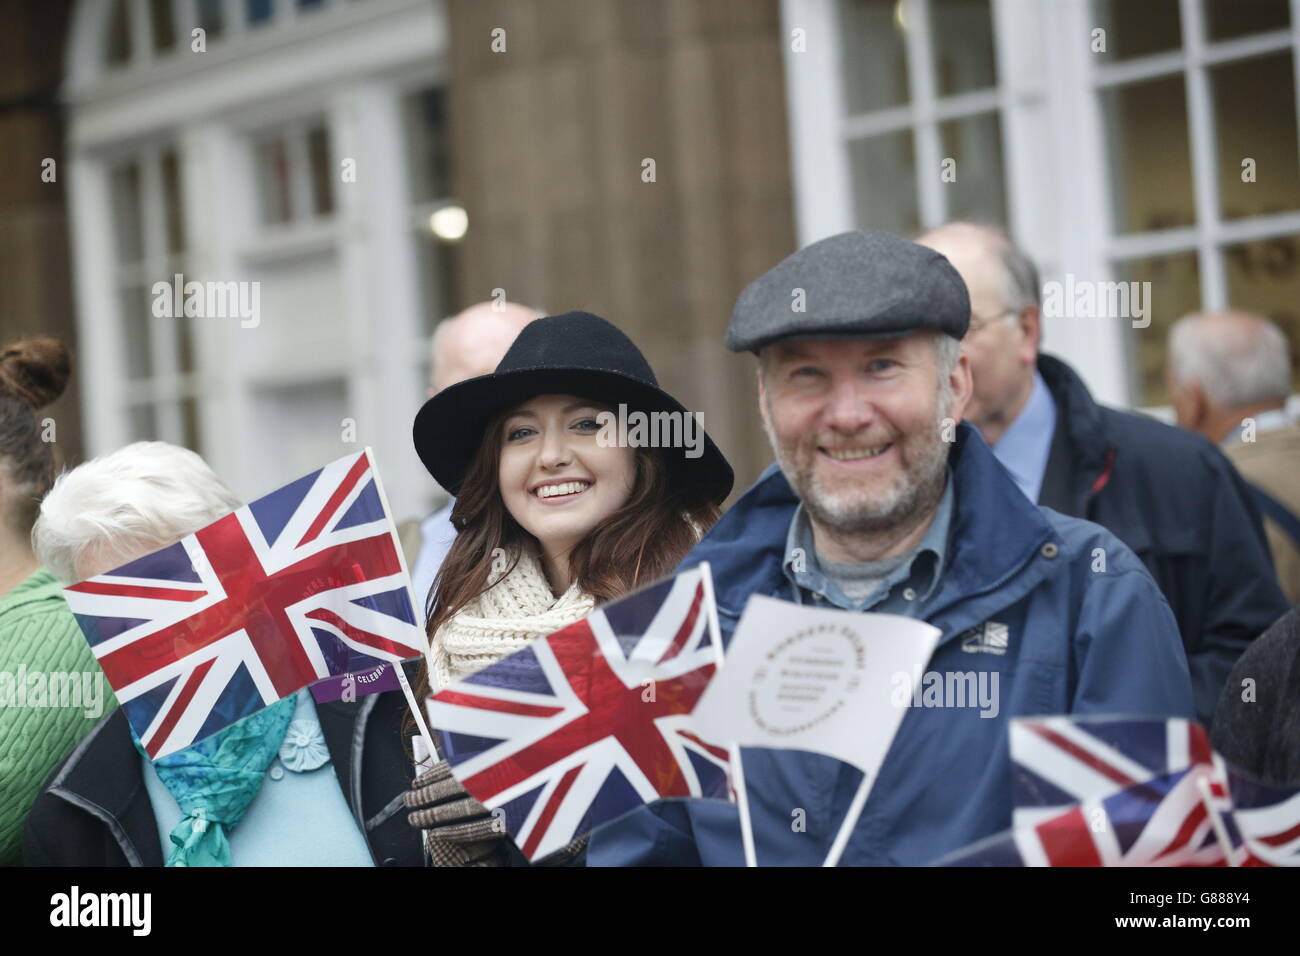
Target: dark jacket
1172 497
1076 641
1257 727
94 809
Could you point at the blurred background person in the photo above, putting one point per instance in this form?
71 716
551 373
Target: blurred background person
1229 376
38 634
227 800
1171 497
464 346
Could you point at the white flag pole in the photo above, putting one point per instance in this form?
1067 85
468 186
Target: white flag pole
1220 831
416 710
850 821
738 774
742 800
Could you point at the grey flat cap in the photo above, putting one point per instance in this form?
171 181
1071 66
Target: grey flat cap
854 285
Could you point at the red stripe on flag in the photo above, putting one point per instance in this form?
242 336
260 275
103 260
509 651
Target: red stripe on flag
1278 839
367 638
178 707
1067 841
718 752
1193 820
552 808
137 591
342 491
459 699
1081 755
688 627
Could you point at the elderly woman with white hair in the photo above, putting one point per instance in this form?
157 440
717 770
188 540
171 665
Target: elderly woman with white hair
227 800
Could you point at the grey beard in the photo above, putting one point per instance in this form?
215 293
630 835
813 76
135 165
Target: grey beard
900 508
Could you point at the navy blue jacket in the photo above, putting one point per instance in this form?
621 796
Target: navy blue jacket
1080 640
1176 500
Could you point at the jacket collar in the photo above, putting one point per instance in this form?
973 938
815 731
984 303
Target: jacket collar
1079 414
995 531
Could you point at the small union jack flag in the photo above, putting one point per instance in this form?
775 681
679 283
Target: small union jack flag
1122 792
584 725
301 584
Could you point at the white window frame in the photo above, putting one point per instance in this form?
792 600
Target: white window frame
349 61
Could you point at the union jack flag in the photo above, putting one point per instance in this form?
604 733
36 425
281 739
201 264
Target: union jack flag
301 584
1121 792
584 725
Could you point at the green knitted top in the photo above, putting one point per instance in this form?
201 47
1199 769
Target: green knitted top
51 693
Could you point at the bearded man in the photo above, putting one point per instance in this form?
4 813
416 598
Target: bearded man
882 500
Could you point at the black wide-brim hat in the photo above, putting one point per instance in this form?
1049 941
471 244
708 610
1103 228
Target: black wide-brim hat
576 353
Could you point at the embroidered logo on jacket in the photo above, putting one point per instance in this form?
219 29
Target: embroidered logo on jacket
989 638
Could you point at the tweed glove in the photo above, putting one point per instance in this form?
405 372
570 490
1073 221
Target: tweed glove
458 830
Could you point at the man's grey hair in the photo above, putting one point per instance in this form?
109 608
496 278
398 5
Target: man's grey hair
1237 358
129 502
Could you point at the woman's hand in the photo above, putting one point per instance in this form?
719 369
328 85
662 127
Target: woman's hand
458 830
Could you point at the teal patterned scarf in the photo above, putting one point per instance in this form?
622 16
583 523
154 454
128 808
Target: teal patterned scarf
215 780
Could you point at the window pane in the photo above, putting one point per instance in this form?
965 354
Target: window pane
136 304
127 221
1225 19
185 341
884 183
1254 105
164 29
257 12
1138 28
1150 164
975 142
872 55
963 45
212 18
273 181
322 174
119 34
144 423
1264 277
440 295
190 424
172 202
1174 291
428 140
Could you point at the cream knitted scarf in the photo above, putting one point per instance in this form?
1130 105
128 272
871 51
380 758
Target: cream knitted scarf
513 611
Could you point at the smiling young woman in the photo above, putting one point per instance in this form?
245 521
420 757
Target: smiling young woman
551 519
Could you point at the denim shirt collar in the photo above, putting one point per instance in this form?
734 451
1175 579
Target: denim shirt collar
924 568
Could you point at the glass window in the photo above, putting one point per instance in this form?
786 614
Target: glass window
273 181
1174 291
884 178
428 142
119 34
258 12
125 180
322 173
1264 277
173 202
1255 119
1150 158
1137 28
975 142
963 45
1225 19
144 423
873 55
164 28
212 18
136 303
440 295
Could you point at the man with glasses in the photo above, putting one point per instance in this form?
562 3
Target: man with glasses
1169 495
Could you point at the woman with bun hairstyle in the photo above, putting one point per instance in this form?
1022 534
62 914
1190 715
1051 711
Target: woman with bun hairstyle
552 520
38 634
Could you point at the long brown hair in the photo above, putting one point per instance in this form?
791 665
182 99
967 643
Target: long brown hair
642 541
